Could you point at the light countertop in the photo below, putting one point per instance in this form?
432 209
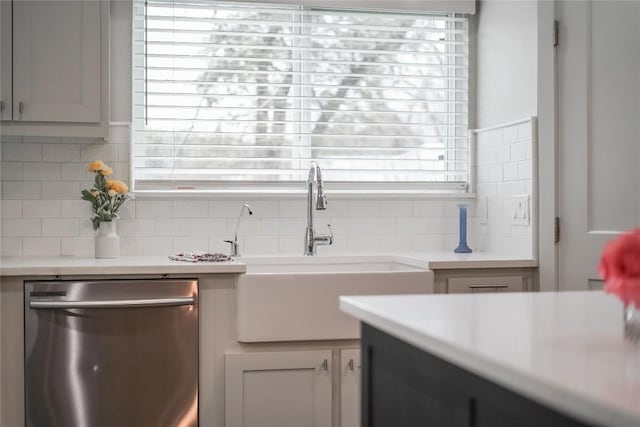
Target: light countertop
65 265
565 350
53 266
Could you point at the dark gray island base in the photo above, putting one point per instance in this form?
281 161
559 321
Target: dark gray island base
406 386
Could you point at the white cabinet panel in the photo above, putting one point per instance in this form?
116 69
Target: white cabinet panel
5 60
280 389
57 61
350 381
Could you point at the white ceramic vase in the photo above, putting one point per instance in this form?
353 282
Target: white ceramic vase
107 240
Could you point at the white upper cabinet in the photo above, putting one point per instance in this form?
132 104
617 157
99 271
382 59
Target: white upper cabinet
58 72
5 60
56 61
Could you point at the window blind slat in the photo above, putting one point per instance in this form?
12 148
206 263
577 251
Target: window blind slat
227 92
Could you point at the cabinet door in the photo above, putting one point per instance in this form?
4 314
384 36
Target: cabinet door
56 61
5 60
283 389
485 284
350 388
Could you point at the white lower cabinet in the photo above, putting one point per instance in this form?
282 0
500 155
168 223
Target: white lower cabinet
350 388
278 389
292 389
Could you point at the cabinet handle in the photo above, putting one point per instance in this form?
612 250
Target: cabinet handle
351 365
1 106
488 286
325 365
20 107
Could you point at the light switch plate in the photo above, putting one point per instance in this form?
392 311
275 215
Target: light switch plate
520 214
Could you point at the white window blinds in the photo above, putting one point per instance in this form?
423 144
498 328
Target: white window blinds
235 93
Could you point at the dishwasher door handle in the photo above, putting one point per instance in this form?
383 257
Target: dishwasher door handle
124 303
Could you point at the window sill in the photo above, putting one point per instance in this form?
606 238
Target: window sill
294 194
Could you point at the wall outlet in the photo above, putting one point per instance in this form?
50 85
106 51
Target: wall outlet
521 214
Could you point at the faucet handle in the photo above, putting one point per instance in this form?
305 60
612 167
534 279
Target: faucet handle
324 239
234 247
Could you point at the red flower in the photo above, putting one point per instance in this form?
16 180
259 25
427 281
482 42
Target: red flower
620 267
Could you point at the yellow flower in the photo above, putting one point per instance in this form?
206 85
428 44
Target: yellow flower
106 171
96 166
95 192
112 193
118 186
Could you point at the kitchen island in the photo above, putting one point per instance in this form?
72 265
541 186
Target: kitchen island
552 359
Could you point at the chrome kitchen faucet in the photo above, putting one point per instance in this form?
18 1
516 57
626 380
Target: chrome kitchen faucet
310 238
235 248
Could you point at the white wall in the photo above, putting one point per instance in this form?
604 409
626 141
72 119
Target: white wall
506 77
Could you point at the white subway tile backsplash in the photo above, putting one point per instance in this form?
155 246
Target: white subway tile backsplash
428 208
361 225
136 227
41 208
364 243
264 209
77 246
444 225
37 246
63 153
11 209
21 152
21 190
104 151
60 227
41 139
190 209
495 233
360 208
183 244
248 226
503 153
429 242
10 246
61 190
46 208
42 172
510 134
77 172
510 171
149 246
418 225
396 208
495 172
11 171
154 209
396 243
525 170
75 209
519 151
524 131
257 245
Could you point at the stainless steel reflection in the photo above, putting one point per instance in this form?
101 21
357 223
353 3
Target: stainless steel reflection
111 353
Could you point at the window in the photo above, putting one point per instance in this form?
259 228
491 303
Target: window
237 95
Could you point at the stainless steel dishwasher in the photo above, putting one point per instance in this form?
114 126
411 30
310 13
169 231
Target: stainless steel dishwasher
111 353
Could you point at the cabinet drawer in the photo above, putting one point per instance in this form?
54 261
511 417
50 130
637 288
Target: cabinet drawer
488 284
